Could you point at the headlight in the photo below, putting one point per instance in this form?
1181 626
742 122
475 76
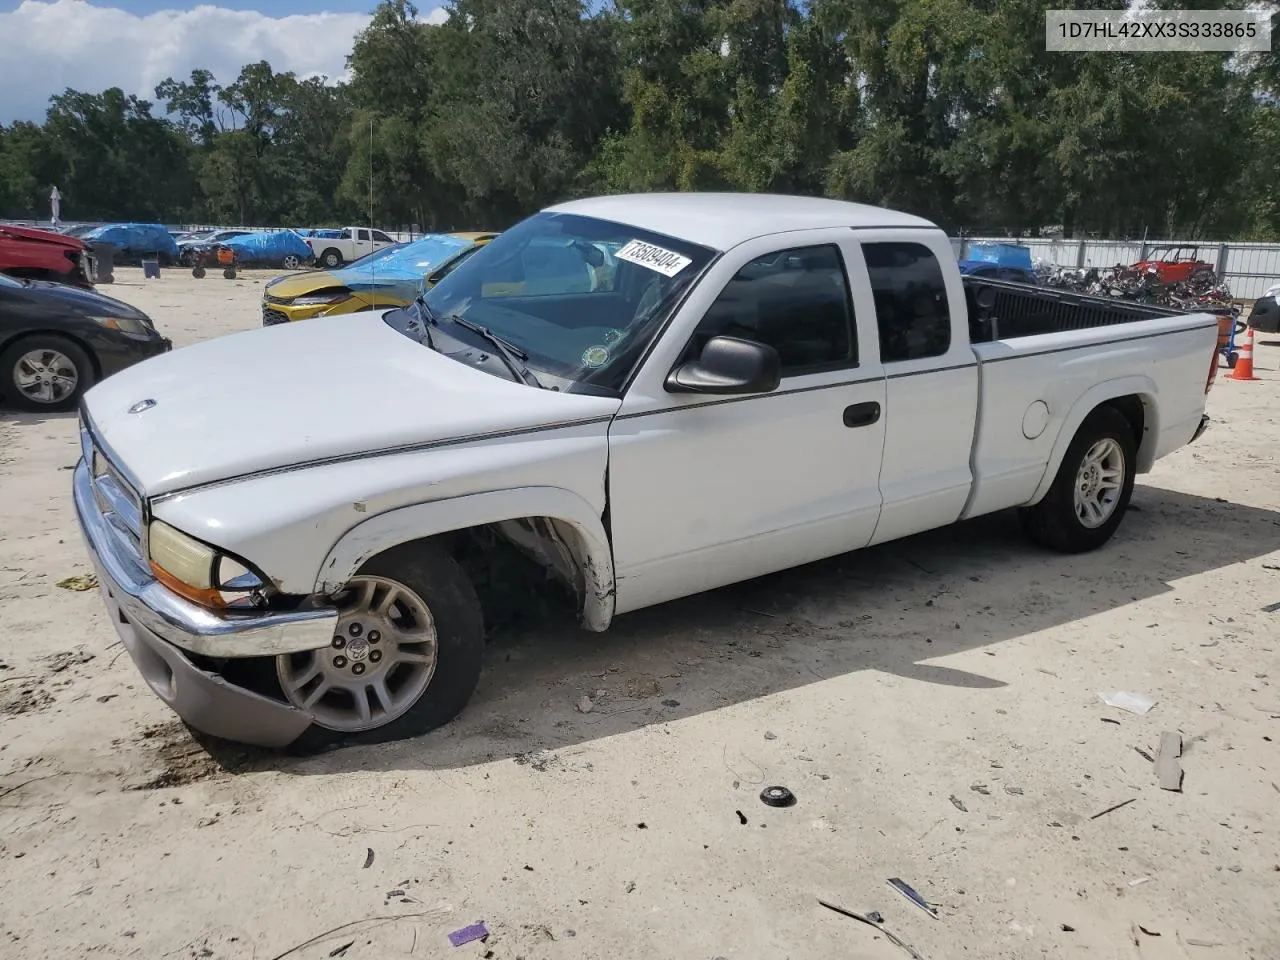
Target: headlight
133 326
200 572
321 298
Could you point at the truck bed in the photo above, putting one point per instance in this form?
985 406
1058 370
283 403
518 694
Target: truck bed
1002 310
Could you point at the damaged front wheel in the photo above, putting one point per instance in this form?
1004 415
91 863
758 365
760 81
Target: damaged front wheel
405 655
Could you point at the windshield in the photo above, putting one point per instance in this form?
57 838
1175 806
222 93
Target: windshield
581 297
380 254
418 258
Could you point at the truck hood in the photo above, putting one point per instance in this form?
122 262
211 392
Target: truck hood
297 393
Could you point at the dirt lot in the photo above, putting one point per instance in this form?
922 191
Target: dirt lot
933 704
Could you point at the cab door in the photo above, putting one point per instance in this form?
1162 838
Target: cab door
362 244
706 490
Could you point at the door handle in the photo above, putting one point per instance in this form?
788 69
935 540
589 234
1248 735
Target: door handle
862 414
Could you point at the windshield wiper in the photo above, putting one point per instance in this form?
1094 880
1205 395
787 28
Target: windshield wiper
511 355
426 318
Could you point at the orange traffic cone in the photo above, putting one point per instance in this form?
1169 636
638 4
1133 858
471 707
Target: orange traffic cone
1243 369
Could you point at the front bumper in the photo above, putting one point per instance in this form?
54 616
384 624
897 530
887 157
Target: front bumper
159 628
1265 315
115 353
274 313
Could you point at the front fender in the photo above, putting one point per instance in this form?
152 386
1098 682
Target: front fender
417 521
1137 385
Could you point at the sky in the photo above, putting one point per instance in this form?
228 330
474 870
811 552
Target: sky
49 45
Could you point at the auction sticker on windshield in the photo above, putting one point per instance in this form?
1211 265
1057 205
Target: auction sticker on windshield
666 262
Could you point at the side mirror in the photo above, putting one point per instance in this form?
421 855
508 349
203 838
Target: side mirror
435 277
728 365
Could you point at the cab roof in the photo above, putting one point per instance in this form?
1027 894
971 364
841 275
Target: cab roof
724 220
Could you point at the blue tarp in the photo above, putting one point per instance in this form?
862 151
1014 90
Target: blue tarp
1003 254
992 269
327 234
135 239
269 247
401 270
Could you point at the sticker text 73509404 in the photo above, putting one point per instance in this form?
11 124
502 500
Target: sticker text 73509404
666 262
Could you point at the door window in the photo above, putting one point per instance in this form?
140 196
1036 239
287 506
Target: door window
362 234
910 293
796 301
382 237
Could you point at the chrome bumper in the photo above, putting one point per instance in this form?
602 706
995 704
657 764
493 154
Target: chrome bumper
145 601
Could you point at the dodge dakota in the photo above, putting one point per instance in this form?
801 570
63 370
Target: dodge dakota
278 517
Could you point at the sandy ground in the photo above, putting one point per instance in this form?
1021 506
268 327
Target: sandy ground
933 704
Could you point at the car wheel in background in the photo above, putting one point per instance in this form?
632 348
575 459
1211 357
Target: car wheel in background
331 258
45 372
291 262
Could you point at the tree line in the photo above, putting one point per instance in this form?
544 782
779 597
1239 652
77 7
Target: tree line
950 109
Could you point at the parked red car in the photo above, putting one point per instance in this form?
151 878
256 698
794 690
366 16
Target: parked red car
32 254
1175 264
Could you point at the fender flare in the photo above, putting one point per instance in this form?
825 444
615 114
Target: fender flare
1141 386
592 549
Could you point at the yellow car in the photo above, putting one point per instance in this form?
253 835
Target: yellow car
390 277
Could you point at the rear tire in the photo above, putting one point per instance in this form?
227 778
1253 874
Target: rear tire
331 258
1081 511
198 272
429 575
32 357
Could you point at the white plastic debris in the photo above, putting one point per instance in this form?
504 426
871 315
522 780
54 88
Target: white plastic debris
1123 700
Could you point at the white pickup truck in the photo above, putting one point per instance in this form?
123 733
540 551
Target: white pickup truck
280 518
352 243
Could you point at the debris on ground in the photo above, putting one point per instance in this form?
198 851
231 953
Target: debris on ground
342 950
1168 767
958 804
1114 807
1132 702
770 735
79 584
907 891
742 817
777 797
874 924
1013 791
981 788
368 858
629 886
477 931
585 705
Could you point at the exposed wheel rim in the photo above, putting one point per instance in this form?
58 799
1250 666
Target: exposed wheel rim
46 376
291 263
1099 481
330 261
380 662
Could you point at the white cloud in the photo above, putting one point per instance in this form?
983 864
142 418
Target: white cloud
49 45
